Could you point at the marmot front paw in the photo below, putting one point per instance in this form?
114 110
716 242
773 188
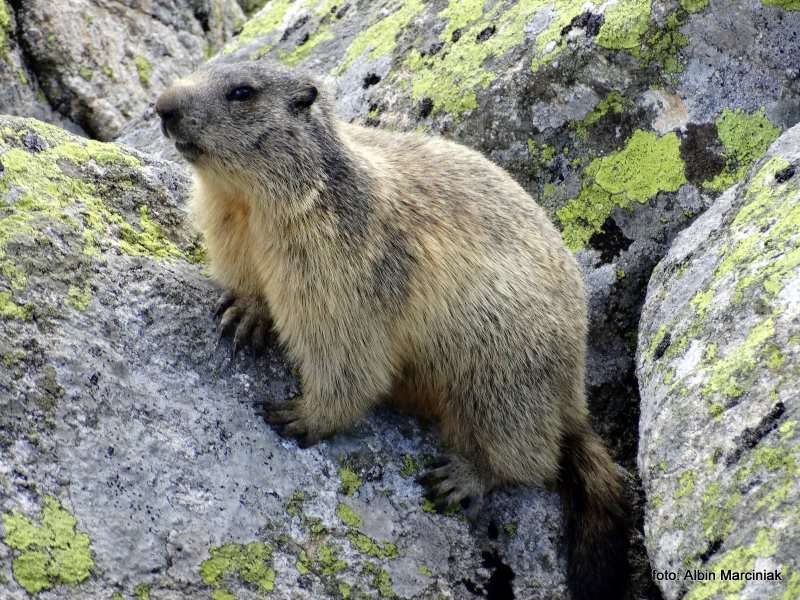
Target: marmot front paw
247 318
288 421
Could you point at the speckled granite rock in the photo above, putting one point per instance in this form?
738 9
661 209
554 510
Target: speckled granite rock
719 371
623 118
132 462
98 63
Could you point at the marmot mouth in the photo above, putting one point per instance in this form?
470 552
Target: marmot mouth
189 150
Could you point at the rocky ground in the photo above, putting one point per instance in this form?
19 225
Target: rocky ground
625 119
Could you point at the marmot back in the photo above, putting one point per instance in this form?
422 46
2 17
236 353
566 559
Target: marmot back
406 267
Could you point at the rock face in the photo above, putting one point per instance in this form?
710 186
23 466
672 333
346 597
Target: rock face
100 63
20 93
624 119
132 462
719 370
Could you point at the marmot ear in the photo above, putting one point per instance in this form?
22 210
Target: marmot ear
304 97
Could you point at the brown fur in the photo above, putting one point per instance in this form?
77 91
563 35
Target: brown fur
404 266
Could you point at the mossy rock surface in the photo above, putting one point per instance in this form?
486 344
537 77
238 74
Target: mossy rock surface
132 461
719 369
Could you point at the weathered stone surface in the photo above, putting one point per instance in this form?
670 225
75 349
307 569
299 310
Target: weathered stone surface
98 63
132 461
19 90
624 119
719 370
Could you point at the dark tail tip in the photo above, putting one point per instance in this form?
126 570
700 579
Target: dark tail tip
597 516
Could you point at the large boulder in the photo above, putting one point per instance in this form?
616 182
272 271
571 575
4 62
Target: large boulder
98 63
132 461
623 118
719 371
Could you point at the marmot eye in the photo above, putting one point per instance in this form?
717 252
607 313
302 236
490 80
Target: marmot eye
240 94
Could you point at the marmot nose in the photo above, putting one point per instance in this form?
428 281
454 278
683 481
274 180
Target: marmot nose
167 109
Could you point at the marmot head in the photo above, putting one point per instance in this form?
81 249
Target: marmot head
254 121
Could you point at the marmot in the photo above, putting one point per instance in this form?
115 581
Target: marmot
408 267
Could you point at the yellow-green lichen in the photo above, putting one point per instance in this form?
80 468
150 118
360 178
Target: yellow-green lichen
778 464
694 5
381 581
366 545
661 45
264 22
79 297
148 240
745 137
648 164
702 302
656 340
784 4
141 592
686 483
717 511
380 38
410 467
348 516
303 563
767 247
299 54
732 374
452 77
614 102
222 594
51 553
459 14
344 590
144 69
787 429
328 560
11 310
741 559
294 507
624 25
250 563
351 482
5 28
49 192
551 40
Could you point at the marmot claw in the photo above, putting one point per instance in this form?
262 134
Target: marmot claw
287 422
246 318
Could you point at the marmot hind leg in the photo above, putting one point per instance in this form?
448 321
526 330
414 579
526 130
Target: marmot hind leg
246 318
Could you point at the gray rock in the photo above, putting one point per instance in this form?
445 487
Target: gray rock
20 93
132 460
719 368
98 64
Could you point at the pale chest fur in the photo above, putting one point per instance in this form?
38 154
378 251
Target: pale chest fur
252 256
